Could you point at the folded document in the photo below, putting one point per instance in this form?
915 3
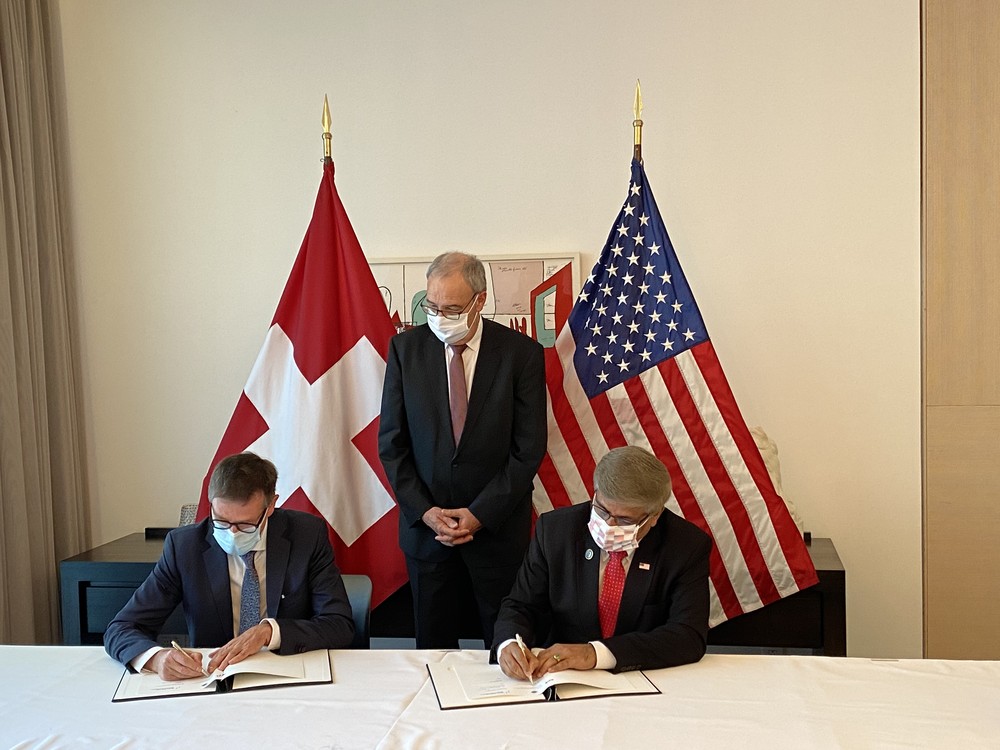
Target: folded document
466 685
263 669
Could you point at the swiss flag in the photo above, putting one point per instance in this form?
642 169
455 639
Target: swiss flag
311 403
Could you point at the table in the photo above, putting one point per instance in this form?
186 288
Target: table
56 697
96 584
60 697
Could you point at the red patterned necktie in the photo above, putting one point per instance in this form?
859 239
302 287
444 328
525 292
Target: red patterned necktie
611 593
458 395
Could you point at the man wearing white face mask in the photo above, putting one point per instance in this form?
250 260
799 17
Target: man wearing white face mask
620 583
249 577
461 435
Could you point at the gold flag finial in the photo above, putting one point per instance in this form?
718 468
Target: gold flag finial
637 122
327 137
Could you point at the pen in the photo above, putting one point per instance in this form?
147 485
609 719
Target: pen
520 644
188 654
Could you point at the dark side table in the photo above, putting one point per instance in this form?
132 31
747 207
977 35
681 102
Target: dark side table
814 619
96 584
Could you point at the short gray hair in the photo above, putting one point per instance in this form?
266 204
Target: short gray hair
469 266
633 477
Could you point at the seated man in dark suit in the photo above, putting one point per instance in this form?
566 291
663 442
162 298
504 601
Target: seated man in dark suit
249 577
619 583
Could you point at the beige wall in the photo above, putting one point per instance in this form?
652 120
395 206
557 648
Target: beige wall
782 140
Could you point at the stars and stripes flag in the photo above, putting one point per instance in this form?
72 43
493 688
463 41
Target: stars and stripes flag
312 401
634 366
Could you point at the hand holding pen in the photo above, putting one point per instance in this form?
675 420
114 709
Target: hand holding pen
518 661
192 655
176 663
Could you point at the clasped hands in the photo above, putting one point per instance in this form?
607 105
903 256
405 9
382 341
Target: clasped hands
525 665
172 664
452 526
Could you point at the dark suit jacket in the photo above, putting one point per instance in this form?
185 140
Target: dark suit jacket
491 470
305 593
663 619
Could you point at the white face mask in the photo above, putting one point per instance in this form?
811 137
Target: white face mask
449 331
236 542
614 538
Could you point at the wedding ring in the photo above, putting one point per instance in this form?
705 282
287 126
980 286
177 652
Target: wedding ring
556 657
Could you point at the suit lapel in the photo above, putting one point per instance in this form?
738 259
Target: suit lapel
278 550
588 574
431 364
217 574
487 364
637 582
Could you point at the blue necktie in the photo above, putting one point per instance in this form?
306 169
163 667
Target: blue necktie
250 598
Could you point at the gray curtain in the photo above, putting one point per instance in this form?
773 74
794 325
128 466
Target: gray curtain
43 504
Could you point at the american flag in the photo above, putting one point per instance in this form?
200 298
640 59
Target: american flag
634 366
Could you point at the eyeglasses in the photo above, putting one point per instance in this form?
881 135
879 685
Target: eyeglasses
246 528
449 313
619 520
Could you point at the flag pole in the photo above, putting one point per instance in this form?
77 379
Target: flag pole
637 123
327 138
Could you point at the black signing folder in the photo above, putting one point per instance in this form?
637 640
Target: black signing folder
469 685
262 670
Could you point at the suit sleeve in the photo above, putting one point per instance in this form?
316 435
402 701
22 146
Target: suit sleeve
683 636
330 624
394 446
526 611
529 437
135 628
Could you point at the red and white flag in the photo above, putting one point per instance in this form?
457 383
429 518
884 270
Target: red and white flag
634 366
311 404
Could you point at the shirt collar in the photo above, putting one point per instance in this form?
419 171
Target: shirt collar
262 542
476 339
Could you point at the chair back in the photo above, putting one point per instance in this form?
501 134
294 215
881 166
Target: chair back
359 593
188 513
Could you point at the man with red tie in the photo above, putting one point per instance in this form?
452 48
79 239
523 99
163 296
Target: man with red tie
461 435
620 583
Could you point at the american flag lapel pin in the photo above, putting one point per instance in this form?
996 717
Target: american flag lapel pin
643 566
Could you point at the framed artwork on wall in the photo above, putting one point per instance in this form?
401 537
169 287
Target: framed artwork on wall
527 292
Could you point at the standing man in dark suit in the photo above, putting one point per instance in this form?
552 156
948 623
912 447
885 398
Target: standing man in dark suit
461 435
619 583
249 577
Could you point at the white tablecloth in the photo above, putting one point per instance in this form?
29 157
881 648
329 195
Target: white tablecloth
60 697
743 702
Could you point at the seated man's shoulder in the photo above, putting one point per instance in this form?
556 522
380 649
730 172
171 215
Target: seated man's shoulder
191 534
568 510
301 520
680 527
567 515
